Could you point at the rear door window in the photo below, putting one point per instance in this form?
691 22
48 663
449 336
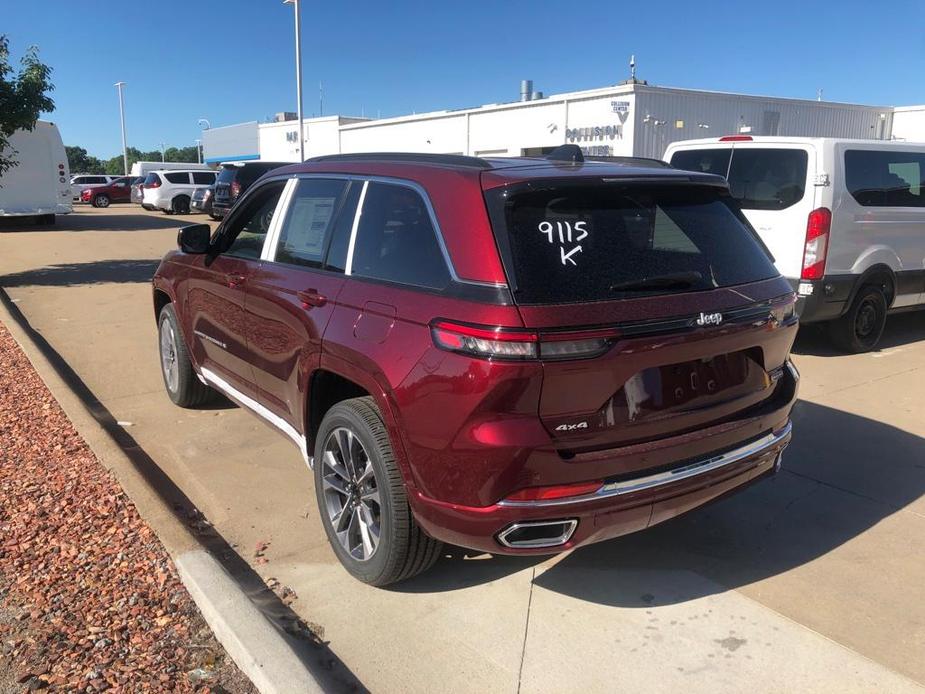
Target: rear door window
711 161
227 174
578 242
203 178
309 219
177 177
396 240
888 178
768 179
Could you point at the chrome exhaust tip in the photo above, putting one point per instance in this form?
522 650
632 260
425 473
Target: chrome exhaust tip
537 534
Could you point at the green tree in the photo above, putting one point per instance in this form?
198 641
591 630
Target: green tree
78 161
181 154
23 96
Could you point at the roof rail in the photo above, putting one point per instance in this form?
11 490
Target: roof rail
647 162
569 153
410 157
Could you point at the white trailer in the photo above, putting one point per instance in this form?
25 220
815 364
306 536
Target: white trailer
143 168
39 185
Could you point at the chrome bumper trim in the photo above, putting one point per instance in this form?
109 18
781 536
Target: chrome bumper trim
638 484
568 529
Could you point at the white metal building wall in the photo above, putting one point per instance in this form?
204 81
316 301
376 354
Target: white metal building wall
665 115
909 123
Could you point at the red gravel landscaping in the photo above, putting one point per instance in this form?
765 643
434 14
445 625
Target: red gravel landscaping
89 599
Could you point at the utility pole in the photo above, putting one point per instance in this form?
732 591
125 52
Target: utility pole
198 151
298 72
163 146
119 85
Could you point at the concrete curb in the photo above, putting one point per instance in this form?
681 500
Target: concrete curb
254 643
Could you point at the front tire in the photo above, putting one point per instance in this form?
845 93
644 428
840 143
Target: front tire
101 200
183 386
362 499
859 330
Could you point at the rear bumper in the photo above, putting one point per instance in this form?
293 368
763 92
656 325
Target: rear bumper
618 508
825 299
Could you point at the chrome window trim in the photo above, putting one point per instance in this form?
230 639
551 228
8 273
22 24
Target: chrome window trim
268 253
351 244
420 190
661 479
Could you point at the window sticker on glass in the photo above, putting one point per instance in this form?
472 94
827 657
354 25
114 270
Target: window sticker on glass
306 226
567 233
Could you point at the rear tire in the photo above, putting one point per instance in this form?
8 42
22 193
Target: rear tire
101 200
180 205
365 490
180 380
859 330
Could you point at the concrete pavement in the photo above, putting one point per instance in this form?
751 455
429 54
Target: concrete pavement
812 581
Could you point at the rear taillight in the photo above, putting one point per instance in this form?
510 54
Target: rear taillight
512 343
153 184
235 189
817 243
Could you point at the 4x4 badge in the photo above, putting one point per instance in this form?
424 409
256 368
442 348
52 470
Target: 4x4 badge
572 427
709 319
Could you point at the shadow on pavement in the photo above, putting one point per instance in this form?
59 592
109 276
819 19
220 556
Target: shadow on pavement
96 272
901 329
133 219
842 475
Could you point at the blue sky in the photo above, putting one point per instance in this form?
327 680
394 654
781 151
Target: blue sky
232 60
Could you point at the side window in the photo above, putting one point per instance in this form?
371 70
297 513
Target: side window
343 225
203 178
885 178
308 222
177 177
245 233
396 241
768 179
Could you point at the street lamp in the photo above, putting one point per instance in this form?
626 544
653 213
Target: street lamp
298 71
119 85
205 125
198 151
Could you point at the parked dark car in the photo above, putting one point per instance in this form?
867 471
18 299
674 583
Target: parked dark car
512 355
233 179
119 190
201 201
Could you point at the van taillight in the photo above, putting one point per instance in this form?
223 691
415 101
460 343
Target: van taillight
817 243
514 343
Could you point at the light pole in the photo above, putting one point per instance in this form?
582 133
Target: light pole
119 85
163 150
298 71
207 126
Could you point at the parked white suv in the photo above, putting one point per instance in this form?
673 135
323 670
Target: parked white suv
171 191
82 182
844 220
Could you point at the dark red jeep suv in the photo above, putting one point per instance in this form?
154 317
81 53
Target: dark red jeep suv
516 356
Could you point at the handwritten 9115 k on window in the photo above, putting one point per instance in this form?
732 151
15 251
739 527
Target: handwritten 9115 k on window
568 235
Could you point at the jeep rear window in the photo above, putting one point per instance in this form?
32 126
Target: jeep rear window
227 174
569 243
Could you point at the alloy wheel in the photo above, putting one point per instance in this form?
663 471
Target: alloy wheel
351 494
169 356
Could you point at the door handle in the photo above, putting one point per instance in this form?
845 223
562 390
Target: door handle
311 297
234 279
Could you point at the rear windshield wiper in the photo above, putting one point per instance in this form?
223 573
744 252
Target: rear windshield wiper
673 280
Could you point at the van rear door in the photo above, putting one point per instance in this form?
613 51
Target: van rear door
774 185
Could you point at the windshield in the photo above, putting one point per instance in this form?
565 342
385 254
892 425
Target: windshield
597 241
227 174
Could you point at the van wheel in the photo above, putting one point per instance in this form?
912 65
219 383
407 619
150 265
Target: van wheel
361 496
101 200
183 386
859 330
180 205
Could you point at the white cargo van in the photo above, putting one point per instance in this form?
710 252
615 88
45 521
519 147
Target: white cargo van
143 168
38 187
844 220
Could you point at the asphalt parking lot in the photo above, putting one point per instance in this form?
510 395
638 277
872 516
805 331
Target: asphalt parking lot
814 580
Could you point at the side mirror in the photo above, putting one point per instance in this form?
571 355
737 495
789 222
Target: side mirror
194 238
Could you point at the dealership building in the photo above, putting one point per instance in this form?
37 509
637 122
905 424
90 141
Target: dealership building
628 119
